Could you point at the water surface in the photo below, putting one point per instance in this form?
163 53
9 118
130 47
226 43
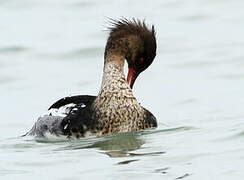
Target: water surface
51 49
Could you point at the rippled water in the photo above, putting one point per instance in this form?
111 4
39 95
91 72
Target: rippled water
51 49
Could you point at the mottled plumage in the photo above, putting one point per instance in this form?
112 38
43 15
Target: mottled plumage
115 109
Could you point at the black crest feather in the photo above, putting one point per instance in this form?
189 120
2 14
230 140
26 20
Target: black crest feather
133 26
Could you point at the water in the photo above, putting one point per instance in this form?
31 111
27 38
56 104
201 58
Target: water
51 49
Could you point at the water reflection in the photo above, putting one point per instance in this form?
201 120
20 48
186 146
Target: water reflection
117 145
113 145
120 142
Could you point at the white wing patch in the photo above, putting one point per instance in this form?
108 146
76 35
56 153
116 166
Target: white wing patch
62 111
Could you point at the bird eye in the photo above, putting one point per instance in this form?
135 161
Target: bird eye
141 60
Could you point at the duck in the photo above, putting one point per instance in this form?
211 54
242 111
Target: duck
114 109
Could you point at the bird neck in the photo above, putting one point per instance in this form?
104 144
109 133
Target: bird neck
115 103
115 98
113 81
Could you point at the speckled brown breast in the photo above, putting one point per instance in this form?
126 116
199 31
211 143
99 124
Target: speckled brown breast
115 108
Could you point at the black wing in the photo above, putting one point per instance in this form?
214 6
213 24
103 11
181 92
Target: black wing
79 118
150 118
80 99
78 121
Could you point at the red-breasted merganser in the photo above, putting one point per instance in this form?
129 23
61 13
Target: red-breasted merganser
114 109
